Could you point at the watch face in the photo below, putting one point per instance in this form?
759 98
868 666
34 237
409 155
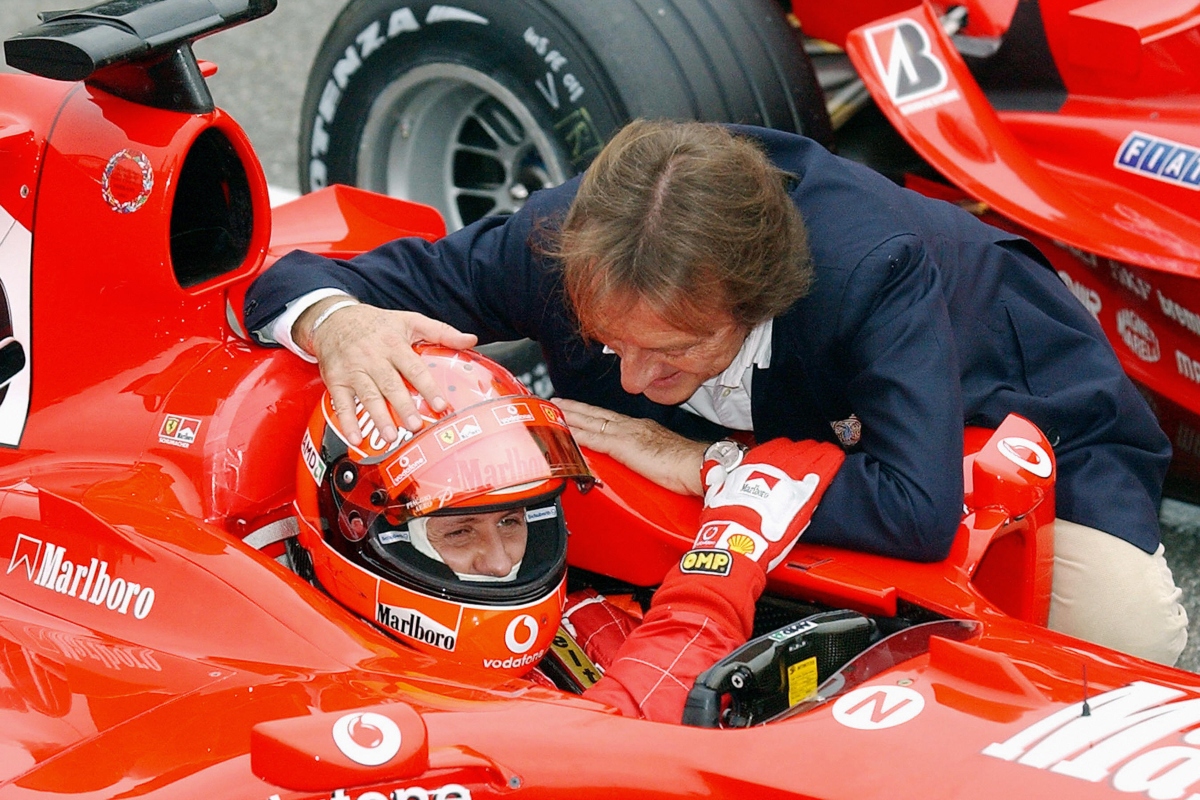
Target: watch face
726 453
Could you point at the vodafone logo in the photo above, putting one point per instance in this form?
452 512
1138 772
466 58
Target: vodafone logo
521 634
872 708
711 532
367 738
1026 455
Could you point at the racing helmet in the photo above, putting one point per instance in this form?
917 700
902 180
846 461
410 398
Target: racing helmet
365 513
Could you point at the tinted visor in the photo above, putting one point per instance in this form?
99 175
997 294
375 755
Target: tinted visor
504 449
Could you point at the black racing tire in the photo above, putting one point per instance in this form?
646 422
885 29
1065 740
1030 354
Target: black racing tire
468 105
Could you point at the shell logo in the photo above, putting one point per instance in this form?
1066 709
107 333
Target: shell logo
740 543
367 738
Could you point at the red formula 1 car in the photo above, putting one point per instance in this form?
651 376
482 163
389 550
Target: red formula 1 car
1074 124
1071 122
152 646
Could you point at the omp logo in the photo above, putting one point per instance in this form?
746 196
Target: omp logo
451 791
1090 298
369 739
90 583
903 58
415 625
706 561
872 708
1133 737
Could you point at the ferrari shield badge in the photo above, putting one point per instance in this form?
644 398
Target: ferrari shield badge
178 431
127 181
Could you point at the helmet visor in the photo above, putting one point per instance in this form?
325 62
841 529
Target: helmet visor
502 453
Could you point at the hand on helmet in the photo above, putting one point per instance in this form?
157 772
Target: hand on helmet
365 354
763 505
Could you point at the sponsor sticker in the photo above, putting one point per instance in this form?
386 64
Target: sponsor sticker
913 76
46 564
459 431
706 561
553 415
513 413
802 680
312 458
1027 455
759 484
1140 738
398 469
872 708
178 431
1089 297
572 657
1160 159
451 791
1138 336
539 514
1188 366
521 634
367 738
415 625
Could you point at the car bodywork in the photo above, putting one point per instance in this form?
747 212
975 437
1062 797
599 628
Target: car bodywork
151 644
1072 123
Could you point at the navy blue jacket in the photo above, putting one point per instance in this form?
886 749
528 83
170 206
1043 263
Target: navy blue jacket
921 320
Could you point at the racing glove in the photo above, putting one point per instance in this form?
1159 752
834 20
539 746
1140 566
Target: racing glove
705 606
599 626
760 508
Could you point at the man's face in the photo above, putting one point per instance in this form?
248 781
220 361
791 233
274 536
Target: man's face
480 544
663 362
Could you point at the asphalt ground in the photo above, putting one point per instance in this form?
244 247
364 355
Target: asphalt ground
260 82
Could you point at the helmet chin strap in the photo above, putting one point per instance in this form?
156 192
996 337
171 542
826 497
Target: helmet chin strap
419 537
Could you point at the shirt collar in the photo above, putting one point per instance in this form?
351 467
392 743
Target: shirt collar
755 352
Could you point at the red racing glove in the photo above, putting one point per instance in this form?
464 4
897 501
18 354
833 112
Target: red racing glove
705 606
599 627
766 502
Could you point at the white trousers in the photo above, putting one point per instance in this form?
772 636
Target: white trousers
1109 592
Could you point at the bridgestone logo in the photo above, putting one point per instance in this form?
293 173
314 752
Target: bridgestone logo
91 583
1186 318
415 625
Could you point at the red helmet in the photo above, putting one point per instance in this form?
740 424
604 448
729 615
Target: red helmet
365 510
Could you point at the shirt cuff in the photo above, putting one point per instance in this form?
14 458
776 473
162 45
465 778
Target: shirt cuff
279 331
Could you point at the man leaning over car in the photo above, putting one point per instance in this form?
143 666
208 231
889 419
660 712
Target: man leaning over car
701 279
